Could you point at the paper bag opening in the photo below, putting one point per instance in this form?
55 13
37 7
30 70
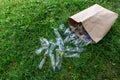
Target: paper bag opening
95 20
79 30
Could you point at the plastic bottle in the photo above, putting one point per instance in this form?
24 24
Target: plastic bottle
59 56
66 39
44 45
44 58
39 50
60 44
52 61
42 62
44 42
75 55
57 33
62 27
73 28
74 49
67 31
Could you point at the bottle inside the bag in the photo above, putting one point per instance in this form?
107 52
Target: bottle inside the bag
81 33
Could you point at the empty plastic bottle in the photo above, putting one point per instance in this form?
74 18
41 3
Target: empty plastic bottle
59 56
39 50
44 58
74 49
62 27
60 44
52 61
57 33
75 55
73 28
53 45
87 43
44 45
67 31
42 62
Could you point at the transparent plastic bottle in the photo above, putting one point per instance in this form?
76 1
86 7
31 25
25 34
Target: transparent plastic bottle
59 56
57 33
75 55
73 28
74 49
39 50
44 58
44 42
67 31
62 27
60 44
52 61
42 62
66 39
44 45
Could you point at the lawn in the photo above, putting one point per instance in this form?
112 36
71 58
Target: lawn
23 22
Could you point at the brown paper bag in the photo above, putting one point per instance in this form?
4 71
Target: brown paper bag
96 21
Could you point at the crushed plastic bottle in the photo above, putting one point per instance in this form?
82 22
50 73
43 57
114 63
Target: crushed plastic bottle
60 44
66 39
77 42
70 37
73 28
60 50
62 27
39 50
53 45
42 62
52 61
47 52
75 55
59 56
74 49
59 40
87 43
57 33
44 45
44 58
67 31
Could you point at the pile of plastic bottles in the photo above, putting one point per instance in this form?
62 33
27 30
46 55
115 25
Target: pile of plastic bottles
67 44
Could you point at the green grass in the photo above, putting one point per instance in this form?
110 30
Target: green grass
23 22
